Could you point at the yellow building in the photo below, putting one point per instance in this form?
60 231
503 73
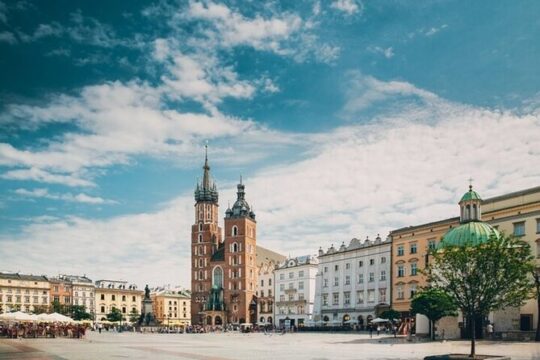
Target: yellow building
117 294
516 213
27 293
171 307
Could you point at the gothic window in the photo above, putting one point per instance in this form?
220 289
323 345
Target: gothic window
234 230
217 277
200 275
200 226
200 262
200 238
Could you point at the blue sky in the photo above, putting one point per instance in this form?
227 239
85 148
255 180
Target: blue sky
346 119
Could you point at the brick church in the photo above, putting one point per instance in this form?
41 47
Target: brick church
224 265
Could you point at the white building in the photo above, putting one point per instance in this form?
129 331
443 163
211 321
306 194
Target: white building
295 291
83 291
265 293
353 282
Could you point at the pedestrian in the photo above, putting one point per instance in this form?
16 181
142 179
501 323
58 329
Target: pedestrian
370 331
100 326
378 330
490 330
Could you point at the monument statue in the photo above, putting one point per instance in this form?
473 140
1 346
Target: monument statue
146 293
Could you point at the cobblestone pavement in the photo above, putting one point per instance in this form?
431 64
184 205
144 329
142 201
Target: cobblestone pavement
232 346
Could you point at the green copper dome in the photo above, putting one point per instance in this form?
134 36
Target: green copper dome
471 233
470 195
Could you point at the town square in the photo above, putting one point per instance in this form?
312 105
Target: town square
236 179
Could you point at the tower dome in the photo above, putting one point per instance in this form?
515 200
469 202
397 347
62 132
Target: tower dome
472 230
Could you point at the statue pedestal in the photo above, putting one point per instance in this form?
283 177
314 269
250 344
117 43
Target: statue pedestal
148 318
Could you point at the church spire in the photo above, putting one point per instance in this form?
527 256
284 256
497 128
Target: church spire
206 190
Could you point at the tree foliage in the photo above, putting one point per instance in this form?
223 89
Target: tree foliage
78 312
483 278
134 316
434 304
391 314
114 315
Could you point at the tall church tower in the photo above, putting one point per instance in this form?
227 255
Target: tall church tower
205 240
240 247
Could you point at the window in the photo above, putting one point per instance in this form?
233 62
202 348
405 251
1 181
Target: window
359 297
199 238
382 295
431 244
360 263
519 229
262 282
234 230
383 275
301 285
383 260
400 271
269 282
336 267
413 290
538 226
371 296
361 278
335 299
123 297
371 261
102 296
347 280
291 286
291 275
133 298
325 283
336 281
103 309
347 298
326 269
301 273
347 266
281 287
200 226
281 297
300 296
413 248
400 250
413 269
281 276
371 277
325 299
291 297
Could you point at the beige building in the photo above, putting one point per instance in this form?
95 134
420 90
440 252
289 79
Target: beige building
265 294
516 213
27 293
171 307
82 292
117 294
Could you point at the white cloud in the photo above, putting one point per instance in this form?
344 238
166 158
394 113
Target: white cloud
8 37
80 198
408 166
432 31
347 6
39 175
386 52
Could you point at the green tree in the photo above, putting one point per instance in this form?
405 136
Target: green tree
78 312
114 315
40 309
134 316
536 295
391 314
483 278
434 304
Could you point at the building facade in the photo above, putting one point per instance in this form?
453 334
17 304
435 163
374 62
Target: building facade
117 294
27 293
294 291
265 292
60 291
353 282
516 213
82 292
171 307
224 274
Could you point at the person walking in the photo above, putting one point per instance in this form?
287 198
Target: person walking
370 331
490 329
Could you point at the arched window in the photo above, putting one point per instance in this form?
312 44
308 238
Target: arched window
474 213
200 262
200 226
468 212
200 238
201 250
201 275
234 247
234 230
217 277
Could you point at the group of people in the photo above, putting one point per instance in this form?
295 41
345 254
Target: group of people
37 330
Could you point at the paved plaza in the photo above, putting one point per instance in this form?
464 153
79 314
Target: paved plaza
229 346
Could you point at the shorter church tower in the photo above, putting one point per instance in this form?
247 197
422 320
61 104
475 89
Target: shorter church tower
240 252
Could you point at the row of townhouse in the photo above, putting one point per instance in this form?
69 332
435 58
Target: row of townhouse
39 293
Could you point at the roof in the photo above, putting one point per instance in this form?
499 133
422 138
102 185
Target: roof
356 244
17 276
471 233
219 255
265 255
470 195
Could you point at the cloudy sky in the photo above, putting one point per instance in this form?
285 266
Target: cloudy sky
345 118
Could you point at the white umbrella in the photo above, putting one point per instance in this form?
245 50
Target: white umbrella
55 317
7 316
379 320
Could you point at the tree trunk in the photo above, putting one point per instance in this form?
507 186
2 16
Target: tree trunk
473 336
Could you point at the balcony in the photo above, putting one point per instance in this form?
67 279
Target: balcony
291 291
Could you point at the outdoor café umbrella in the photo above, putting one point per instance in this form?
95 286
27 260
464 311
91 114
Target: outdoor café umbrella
379 320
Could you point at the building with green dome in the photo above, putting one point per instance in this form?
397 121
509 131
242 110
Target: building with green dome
472 230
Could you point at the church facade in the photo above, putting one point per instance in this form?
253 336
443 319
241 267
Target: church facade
224 274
